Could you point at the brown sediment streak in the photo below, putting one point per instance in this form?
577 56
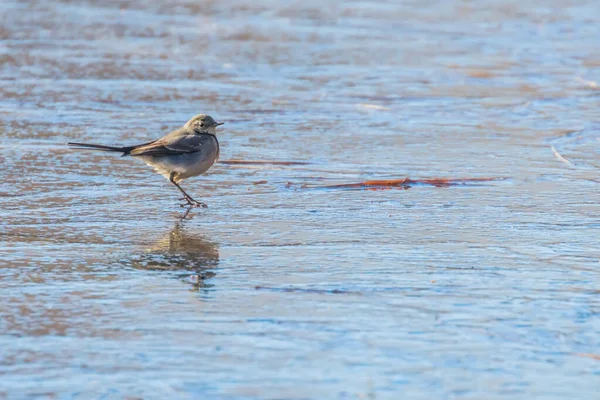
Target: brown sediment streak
305 290
589 355
406 182
260 162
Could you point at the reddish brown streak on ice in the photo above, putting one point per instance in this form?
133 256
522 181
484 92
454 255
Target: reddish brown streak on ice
260 162
405 183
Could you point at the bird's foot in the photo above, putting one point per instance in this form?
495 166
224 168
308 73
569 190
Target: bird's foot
191 203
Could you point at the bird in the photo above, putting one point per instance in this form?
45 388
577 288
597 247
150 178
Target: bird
184 153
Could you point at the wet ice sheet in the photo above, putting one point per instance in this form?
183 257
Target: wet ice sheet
282 289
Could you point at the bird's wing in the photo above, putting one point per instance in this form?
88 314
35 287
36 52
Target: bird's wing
171 146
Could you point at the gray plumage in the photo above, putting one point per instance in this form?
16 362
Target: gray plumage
186 152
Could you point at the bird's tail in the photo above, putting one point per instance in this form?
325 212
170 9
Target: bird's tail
125 150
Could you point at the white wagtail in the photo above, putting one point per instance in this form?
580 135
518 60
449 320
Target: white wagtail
188 151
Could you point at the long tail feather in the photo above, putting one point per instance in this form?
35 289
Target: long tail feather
125 150
97 147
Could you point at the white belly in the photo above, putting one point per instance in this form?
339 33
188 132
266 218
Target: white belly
185 165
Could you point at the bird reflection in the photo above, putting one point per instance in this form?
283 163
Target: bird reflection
187 256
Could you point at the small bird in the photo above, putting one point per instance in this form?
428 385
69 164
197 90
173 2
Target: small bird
186 152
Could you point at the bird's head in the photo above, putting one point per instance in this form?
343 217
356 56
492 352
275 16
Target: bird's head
203 123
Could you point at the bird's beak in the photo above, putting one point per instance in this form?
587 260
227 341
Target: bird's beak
218 123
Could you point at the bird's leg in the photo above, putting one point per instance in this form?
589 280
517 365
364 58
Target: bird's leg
190 201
